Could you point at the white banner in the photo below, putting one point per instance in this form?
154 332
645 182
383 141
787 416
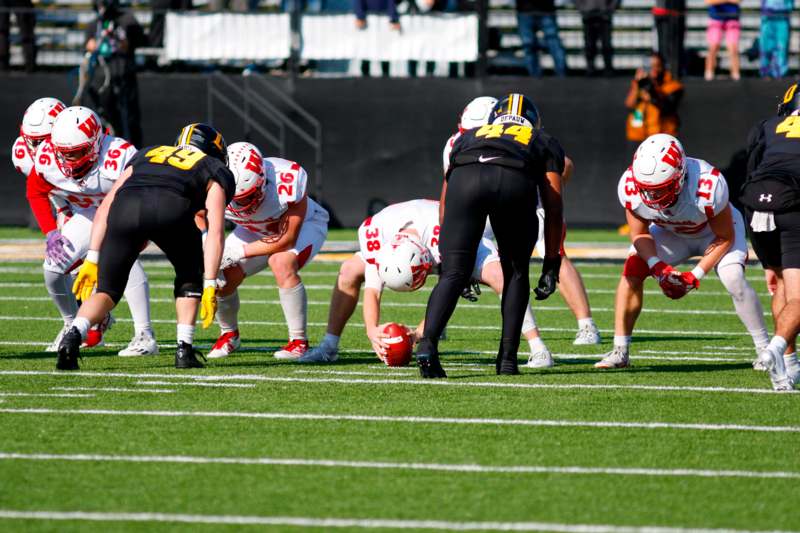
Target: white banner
231 36
422 38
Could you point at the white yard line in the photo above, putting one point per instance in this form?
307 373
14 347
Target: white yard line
44 395
117 389
407 419
200 384
418 382
385 465
422 305
362 523
738 333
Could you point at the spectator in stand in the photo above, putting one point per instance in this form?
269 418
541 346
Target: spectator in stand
774 39
596 16
238 6
723 17
160 8
26 21
532 16
111 42
362 7
670 22
653 100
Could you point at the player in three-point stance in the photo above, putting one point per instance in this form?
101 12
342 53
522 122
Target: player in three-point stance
277 225
677 207
78 166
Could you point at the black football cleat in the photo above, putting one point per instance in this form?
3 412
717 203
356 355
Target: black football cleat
506 365
186 356
69 350
429 366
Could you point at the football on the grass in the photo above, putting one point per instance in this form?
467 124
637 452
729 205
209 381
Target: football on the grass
399 351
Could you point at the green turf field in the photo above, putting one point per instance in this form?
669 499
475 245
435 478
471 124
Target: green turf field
690 437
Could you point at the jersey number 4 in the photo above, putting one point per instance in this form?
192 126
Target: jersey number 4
790 126
521 134
181 158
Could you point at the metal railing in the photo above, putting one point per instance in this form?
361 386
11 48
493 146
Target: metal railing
267 110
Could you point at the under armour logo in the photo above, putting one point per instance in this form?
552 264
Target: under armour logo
765 198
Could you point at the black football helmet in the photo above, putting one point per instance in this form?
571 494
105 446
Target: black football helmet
516 108
205 138
791 101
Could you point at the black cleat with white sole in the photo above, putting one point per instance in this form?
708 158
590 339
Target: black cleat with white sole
186 356
430 367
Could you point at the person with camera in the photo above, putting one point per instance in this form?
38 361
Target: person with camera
109 70
653 99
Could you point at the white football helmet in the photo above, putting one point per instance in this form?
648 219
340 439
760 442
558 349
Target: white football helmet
247 164
76 138
37 122
477 112
404 265
659 169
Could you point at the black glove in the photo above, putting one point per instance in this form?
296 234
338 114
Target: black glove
549 277
471 291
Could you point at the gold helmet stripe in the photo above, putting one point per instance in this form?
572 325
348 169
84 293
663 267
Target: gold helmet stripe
186 134
519 104
789 94
510 104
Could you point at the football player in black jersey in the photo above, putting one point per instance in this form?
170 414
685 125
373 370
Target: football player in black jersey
156 199
771 196
495 171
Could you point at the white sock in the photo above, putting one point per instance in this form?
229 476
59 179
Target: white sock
59 287
792 364
228 312
586 323
529 320
536 344
331 341
746 302
185 333
777 346
82 324
137 294
294 303
622 341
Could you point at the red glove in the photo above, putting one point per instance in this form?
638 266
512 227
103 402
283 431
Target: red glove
690 281
661 270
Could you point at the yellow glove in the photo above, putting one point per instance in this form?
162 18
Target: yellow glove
86 279
208 304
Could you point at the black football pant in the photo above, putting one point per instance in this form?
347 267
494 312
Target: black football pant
509 199
142 214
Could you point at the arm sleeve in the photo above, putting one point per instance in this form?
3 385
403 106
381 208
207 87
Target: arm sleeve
37 191
555 158
755 148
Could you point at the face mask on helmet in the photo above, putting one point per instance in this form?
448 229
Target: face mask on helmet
33 142
660 196
248 201
247 165
37 122
75 162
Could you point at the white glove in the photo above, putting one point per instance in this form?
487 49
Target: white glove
232 254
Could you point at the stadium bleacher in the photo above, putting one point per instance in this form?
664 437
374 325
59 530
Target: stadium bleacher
61 24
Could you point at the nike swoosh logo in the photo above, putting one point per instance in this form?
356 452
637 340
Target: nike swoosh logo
482 159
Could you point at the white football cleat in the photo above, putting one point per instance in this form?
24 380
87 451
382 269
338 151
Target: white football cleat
587 335
294 349
320 354
53 347
759 365
540 359
142 344
777 371
226 344
616 358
